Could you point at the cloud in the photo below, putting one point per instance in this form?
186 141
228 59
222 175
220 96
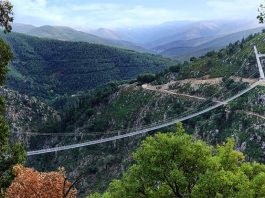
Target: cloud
37 10
87 15
234 8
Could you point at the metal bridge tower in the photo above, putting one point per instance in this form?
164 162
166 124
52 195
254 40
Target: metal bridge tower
258 56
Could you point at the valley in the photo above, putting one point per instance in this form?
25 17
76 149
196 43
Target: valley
88 112
148 99
48 68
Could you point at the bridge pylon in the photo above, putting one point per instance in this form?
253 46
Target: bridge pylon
258 56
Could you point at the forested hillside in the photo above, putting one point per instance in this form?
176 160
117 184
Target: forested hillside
47 68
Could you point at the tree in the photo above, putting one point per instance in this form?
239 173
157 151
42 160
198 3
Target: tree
30 183
6 15
175 68
261 15
178 165
192 59
9 155
146 78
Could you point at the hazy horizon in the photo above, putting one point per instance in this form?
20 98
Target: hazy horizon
88 15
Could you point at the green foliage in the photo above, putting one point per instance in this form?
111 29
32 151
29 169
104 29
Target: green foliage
6 56
9 155
177 165
175 68
145 78
193 59
6 10
261 15
225 61
50 68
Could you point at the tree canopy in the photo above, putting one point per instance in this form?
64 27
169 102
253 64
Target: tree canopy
9 155
178 165
6 15
261 15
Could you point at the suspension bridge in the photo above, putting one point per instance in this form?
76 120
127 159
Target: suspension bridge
158 126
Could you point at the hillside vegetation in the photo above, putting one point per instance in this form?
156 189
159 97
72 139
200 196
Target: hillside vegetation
47 68
186 167
100 112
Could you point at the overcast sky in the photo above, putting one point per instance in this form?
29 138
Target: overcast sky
91 14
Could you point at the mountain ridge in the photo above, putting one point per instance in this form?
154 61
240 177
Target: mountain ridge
69 34
46 67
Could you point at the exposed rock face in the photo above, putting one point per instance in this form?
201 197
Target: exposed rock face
26 114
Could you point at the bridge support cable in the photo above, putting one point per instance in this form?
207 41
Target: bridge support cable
143 131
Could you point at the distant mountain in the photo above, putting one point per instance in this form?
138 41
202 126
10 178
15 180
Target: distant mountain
183 50
22 28
184 43
108 34
69 34
167 38
46 67
154 36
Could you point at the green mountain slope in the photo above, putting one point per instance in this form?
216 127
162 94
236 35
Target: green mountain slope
46 68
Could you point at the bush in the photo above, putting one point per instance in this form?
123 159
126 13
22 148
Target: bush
146 78
193 59
178 165
175 68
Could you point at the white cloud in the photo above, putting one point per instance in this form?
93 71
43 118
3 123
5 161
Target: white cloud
94 7
90 15
234 8
36 9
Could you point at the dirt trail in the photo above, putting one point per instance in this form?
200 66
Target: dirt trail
255 114
205 80
153 88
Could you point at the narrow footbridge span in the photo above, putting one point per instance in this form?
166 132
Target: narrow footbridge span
155 126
